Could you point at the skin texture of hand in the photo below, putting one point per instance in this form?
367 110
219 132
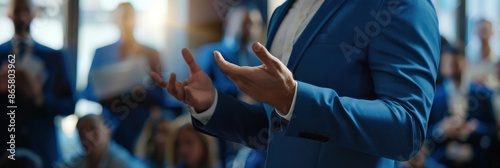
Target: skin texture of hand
197 91
271 83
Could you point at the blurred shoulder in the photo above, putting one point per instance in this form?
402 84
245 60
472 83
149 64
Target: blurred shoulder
480 90
107 47
45 51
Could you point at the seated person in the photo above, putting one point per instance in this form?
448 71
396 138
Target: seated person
192 149
152 146
461 118
100 151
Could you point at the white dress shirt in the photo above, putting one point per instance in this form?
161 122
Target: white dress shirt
292 26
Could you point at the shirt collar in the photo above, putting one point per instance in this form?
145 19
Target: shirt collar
28 41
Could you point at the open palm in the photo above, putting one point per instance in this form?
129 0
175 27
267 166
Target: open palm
197 91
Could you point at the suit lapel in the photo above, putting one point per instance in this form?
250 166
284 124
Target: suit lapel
275 24
326 10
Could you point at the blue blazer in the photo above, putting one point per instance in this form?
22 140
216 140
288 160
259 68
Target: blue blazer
366 74
35 127
480 108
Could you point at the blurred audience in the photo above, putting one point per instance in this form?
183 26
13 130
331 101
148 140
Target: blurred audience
152 146
42 88
192 149
100 151
126 109
482 70
461 123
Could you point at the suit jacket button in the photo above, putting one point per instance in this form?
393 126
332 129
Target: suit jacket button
276 126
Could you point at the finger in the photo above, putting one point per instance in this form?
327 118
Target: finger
175 88
229 69
189 96
188 57
158 80
171 85
263 54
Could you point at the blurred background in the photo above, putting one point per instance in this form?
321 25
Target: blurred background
99 43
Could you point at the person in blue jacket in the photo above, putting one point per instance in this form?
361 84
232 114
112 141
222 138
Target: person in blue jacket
126 115
344 83
462 124
42 88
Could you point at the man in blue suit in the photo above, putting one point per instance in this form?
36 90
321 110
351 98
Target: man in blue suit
42 88
345 83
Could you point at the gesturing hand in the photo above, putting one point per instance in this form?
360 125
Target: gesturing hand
271 82
197 91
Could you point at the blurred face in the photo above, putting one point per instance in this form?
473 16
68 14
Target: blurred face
244 25
22 15
251 26
191 149
125 18
161 137
452 66
484 30
94 134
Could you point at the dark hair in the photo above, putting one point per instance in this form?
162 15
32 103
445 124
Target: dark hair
88 116
206 152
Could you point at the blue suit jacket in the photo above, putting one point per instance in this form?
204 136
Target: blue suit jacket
35 128
366 75
479 108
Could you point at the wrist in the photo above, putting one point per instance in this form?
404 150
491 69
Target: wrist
208 103
287 101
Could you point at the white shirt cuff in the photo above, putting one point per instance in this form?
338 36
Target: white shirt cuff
288 116
204 116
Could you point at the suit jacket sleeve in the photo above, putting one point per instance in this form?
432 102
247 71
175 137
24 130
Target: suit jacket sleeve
237 121
403 59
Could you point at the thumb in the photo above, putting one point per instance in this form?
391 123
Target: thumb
263 54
